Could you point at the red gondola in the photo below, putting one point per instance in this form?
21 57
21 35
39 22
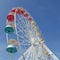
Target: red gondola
10 17
13 10
25 14
29 18
20 11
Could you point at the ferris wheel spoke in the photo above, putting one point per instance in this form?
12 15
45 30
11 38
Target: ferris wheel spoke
23 32
22 29
27 23
28 26
23 37
24 42
21 25
21 20
24 20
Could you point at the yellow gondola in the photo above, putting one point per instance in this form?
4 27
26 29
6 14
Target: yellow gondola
35 28
46 52
41 40
38 34
33 23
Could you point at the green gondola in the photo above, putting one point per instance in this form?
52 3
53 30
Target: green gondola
9 29
11 49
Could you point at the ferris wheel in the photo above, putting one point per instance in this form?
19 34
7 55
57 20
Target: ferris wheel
21 30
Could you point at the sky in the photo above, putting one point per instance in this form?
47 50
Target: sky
46 14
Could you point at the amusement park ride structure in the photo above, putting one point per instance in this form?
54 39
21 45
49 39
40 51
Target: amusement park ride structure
21 29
